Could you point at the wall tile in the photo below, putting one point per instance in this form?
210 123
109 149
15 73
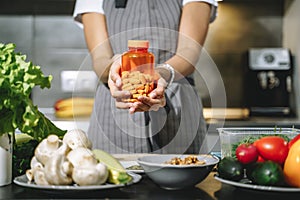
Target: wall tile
17 30
53 62
57 32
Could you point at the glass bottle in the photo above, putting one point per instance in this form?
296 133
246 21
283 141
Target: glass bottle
137 70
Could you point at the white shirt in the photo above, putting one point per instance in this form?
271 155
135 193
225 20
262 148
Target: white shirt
84 6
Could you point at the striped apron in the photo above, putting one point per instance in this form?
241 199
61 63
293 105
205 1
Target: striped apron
179 127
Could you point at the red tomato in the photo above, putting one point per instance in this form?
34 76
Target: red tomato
272 148
246 153
294 140
260 159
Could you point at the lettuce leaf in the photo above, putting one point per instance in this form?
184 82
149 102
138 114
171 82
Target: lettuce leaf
17 111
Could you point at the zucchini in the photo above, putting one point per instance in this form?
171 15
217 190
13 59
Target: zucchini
117 173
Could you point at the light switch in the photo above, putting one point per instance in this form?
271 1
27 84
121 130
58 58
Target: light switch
78 81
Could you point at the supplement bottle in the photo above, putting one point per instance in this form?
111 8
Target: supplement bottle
137 70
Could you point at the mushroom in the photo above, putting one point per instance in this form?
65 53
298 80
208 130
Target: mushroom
90 175
71 160
77 138
34 165
39 177
81 157
87 170
46 148
29 175
57 169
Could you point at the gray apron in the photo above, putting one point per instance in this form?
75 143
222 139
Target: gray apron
179 127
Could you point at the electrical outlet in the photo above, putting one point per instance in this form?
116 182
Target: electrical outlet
78 81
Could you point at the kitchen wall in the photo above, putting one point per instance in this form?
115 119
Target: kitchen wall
53 41
291 32
242 24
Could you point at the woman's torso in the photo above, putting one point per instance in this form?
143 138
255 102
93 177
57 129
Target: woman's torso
153 20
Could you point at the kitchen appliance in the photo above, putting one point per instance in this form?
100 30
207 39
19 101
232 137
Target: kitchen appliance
268 82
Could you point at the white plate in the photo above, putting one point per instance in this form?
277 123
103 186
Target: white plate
23 181
127 164
257 187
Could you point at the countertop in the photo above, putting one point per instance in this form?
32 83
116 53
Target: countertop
209 189
251 121
212 124
267 122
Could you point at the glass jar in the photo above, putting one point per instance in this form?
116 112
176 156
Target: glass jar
137 70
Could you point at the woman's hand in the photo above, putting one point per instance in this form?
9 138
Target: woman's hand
155 100
115 85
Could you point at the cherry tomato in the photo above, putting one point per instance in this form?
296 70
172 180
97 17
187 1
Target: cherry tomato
294 140
246 153
272 148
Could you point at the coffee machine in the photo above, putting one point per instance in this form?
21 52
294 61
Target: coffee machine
268 82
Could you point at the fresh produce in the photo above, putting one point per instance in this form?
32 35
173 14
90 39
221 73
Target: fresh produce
266 173
260 159
17 111
292 165
231 169
117 173
293 141
23 151
272 148
73 107
66 161
246 153
275 163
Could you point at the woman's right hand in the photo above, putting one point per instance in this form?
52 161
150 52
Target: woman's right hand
115 85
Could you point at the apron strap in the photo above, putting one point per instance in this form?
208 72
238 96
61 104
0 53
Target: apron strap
120 3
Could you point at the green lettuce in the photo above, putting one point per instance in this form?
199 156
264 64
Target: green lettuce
17 111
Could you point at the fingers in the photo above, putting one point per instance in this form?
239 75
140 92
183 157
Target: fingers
158 93
115 84
147 104
124 105
114 74
119 95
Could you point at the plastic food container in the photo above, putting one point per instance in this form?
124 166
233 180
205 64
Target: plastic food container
232 136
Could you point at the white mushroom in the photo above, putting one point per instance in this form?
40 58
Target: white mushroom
71 160
77 138
57 169
90 175
81 157
55 173
46 148
35 164
39 177
29 175
67 168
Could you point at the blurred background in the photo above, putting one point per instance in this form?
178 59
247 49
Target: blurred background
44 30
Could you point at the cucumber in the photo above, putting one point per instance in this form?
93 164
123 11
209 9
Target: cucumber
231 169
267 173
117 173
